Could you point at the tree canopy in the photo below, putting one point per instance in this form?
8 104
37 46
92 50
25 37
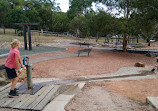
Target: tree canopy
125 17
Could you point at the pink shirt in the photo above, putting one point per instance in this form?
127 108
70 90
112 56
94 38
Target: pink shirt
10 62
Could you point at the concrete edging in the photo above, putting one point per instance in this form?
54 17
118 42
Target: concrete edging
4 55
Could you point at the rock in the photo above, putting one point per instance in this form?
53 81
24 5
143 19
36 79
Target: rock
38 45
3 78
2 67
3 75
139 64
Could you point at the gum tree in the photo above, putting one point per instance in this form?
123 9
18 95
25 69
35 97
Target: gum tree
125 8
4 10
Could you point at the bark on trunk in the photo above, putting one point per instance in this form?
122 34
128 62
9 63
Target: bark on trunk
3 28
148 41
97 38
125 43
137 40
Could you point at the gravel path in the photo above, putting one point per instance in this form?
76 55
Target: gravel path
96 97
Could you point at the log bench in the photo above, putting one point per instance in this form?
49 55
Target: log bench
84 51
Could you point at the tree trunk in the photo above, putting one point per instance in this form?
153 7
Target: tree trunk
137 40
124 42
148 41
3 28
97 38
15 31
125 35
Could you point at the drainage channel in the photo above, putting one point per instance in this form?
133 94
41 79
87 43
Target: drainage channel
97 78
37 86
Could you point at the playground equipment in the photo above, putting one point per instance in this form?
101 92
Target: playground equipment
29 33
29 72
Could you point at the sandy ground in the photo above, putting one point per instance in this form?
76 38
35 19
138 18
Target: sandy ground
69 68
97 96
100 96
136 90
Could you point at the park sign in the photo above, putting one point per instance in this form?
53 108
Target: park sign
29 33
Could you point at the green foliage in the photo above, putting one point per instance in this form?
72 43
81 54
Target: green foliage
140 16
32 5
46 18
4 10
148 8
104 27
48 4
79 7
17 16
33 16
16 4
60 22
78 26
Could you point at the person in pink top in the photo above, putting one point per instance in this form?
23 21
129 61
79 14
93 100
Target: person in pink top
12 64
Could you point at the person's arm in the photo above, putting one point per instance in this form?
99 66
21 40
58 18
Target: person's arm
17 63
22 66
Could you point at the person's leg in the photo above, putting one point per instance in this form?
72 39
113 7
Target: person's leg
12 92
14 82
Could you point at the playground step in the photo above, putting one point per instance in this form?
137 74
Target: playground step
153 101
26 101
63 99
49 95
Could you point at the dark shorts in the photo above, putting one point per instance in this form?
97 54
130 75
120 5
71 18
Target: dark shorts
11 73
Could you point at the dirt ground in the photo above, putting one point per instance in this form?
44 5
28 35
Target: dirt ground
136 90
114 96
70 68
100 96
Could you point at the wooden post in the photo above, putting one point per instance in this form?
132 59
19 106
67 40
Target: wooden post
29 77
25 38
29 35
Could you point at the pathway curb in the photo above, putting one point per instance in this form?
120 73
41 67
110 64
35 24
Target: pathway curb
153 101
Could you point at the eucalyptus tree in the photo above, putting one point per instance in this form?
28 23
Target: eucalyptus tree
102 24
46 19
125 8
78 7
4 10
48 4
60 22
32 5
78 26
17 16
15 4
147 17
